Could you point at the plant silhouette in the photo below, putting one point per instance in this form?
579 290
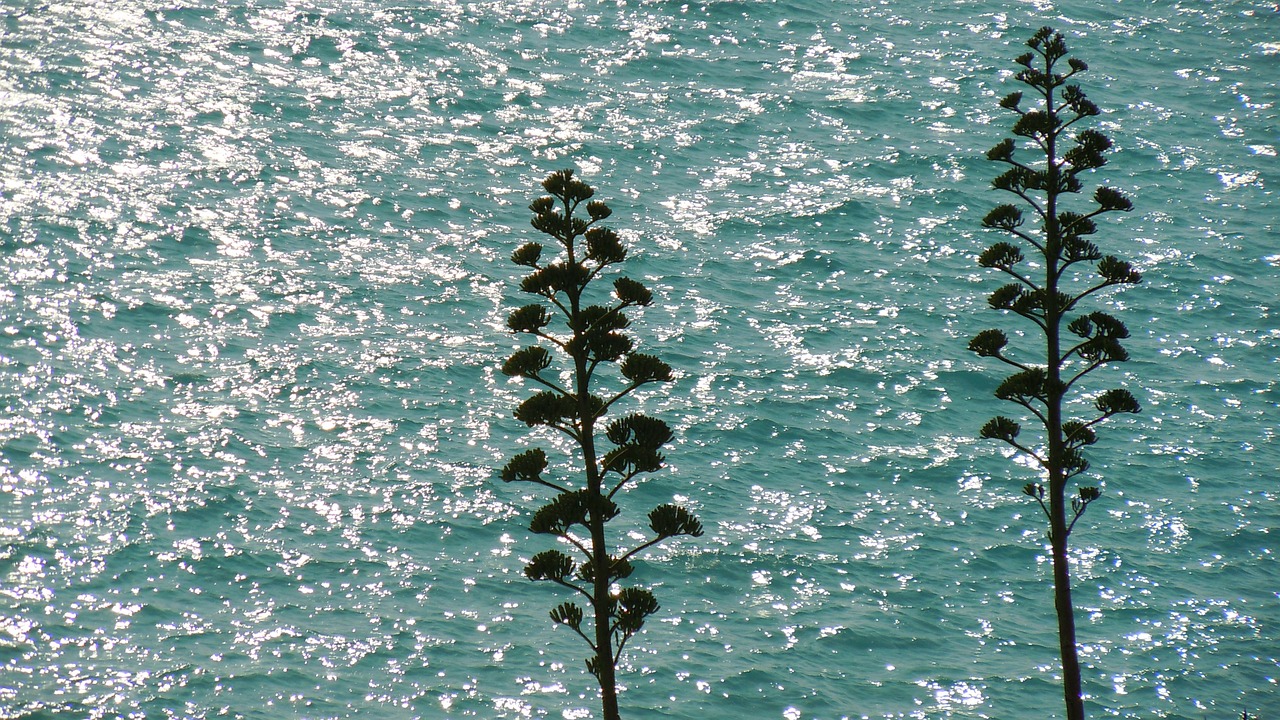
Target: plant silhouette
591 339
1065 269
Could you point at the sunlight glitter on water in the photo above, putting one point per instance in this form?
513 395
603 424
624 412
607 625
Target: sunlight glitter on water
255 279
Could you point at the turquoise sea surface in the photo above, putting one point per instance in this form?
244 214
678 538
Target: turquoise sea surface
254 275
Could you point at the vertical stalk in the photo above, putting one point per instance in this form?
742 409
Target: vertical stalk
1063 605
600 600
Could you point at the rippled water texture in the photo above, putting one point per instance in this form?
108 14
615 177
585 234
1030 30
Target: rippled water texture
252 296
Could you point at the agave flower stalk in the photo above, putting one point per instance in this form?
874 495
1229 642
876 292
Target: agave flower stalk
612 450
1049 292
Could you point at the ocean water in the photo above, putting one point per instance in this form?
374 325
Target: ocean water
253 281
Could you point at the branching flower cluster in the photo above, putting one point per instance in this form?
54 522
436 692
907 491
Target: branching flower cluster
592 337
1060 242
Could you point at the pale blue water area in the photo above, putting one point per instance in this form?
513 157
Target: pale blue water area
254 279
